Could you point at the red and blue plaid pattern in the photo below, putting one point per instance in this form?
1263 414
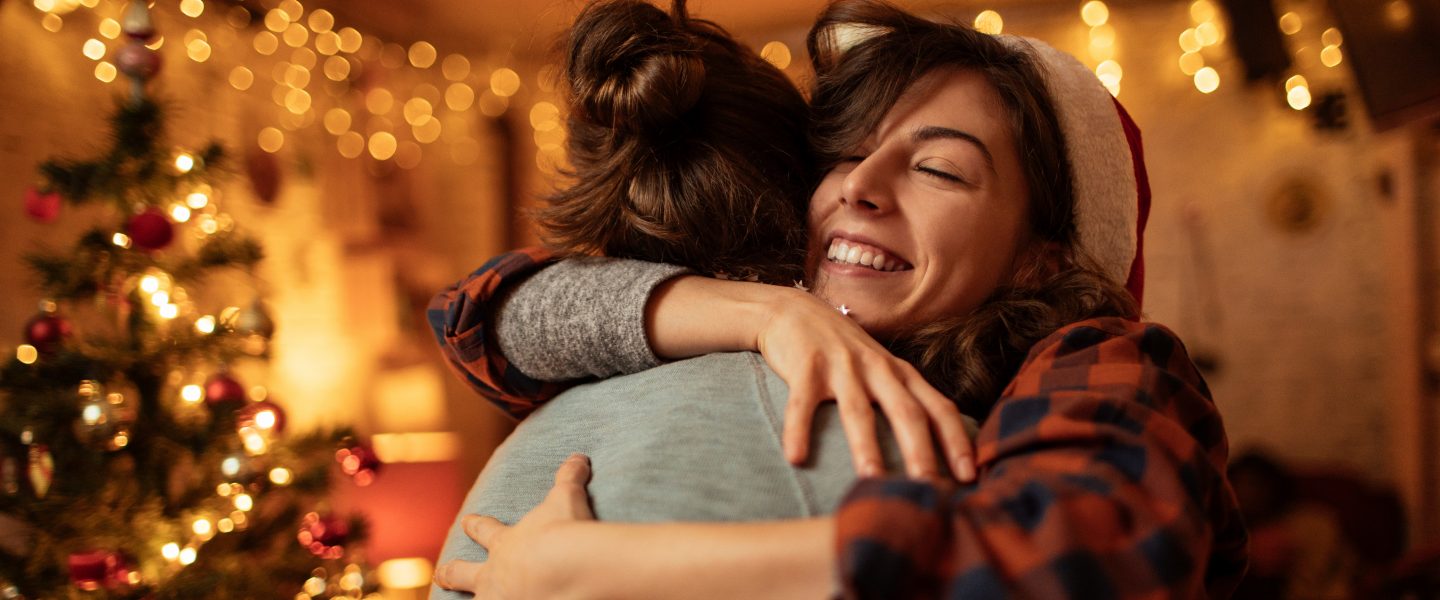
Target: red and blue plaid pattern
1102 475
460 319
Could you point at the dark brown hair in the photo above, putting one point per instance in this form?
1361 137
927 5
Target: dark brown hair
685 147
866 55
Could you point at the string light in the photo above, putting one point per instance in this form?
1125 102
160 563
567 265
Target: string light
382 145
170 551
193 394
109 28
1207 80
455 67
1297 92
121 240
104 71
184 162
989 21
243 502
94 49
187 555
776 53
1290 23
271 139
27 354
205 324
504 82
1094 13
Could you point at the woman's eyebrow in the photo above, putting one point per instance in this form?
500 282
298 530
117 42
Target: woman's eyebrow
935 132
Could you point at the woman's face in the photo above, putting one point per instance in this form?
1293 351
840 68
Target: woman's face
927 217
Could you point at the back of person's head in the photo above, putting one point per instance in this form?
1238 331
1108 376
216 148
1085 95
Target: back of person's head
684 147
866 55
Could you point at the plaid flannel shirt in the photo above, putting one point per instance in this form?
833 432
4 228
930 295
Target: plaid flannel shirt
1102 470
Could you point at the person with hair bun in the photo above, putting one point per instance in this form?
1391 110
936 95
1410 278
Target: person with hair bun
980 211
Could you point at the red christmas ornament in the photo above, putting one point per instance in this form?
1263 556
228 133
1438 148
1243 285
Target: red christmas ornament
42 206
358 460
222 389
264 415
47 332
90 569
150 230
324 536
137 60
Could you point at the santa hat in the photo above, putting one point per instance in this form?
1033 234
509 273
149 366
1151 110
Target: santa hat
1112 192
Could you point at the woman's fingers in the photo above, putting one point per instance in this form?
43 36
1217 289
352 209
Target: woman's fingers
461 575
799 418
949 423
574 471
482 529
910 422
858 419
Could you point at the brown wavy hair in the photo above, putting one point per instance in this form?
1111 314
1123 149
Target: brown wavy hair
866 54
685 147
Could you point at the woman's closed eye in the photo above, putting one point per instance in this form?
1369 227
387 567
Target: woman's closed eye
942 173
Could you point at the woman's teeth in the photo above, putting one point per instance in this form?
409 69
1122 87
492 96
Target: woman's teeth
852 253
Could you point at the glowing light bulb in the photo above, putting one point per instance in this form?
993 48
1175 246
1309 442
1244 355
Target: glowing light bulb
170 551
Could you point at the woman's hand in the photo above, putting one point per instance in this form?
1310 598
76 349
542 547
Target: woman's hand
822 354
527 560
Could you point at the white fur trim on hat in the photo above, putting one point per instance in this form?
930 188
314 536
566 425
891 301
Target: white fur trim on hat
1103 168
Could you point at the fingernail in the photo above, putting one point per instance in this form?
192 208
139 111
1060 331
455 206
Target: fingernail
873 470
439 577
965 471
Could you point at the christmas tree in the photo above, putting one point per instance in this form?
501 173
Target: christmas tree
133 461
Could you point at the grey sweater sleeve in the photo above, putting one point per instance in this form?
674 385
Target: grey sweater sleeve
582 317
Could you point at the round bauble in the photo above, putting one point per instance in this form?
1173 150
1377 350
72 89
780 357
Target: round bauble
150 230
42 206
222 389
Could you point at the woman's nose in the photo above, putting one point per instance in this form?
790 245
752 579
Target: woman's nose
864 191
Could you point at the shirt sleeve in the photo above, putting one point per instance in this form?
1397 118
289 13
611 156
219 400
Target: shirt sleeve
460 318
1101 475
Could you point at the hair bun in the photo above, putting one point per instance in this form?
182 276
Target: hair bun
632 67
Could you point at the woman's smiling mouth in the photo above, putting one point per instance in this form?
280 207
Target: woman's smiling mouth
846 251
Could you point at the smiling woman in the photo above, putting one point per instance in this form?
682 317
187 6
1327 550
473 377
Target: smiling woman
980 213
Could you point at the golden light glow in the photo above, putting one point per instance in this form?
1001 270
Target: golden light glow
241 78
327 43
192 8
121 240
321 21
225 525
271 139
492 104
94 49
1110 74
192 393
1208 33
202 527
1207 80
197 200
776 53
337 121
304 58
156 43
52 22
1331 56
1399 15
198 50
292 8
1102 36
160 298
408 154
337 68
169 311
1190 62
187 555
1094 13
104 71
428 130
989 21
254 443
120 440
179 213
276 20
417 110
280 476
379 101
504 82
350 144
350 39
297 101
1296 81
170 551
1202 11
382 145
1331 37
544 116
244 502
184 162
238 517
1290 23
266 43
455 67
149 284
27 354
109 28
459 97
205 324
1298 97
430 446
422 55
405 573
296 35
223 490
